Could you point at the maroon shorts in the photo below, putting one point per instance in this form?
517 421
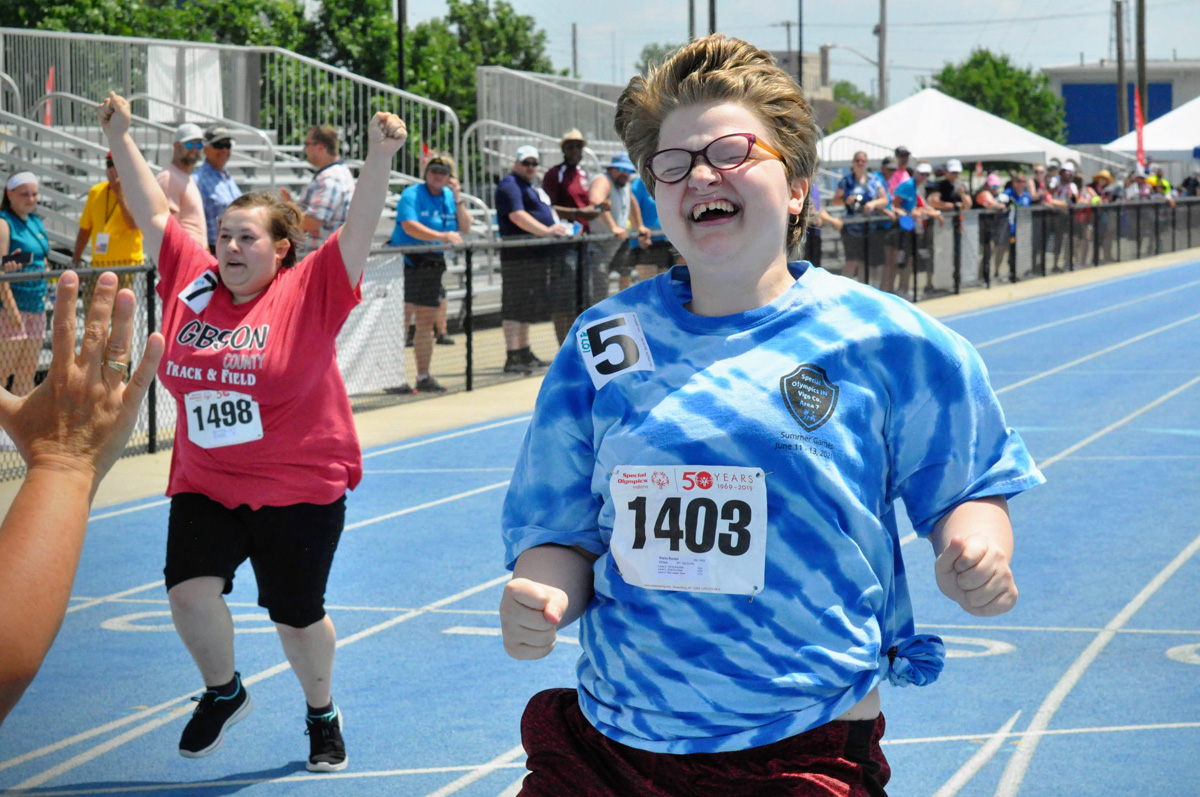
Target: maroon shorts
566 755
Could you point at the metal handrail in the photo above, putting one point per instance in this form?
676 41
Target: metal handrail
220 120
12 84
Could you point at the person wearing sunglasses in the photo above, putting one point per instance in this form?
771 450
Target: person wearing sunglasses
183 195
217 186
707 482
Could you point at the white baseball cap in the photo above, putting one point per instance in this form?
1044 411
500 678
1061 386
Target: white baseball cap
924 168
528 151
188 132
954 165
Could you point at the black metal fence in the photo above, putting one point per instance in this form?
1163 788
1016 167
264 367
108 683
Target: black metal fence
499 310
976 248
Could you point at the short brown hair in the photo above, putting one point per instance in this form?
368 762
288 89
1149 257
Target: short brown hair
284 220
326 136
714 69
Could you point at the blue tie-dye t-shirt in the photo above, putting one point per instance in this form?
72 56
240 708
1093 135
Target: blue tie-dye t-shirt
842 399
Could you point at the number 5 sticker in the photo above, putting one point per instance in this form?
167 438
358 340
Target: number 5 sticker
613 346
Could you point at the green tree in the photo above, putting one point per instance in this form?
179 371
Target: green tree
359 36
653 54
992 83
847 93
843 118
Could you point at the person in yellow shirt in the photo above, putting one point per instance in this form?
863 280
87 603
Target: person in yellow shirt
108 229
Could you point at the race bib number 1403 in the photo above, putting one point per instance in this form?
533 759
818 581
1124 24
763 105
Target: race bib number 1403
696 528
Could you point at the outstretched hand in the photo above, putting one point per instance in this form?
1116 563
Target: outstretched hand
387 132
114 115
80 418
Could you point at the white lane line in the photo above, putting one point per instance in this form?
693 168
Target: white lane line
1066 292
1082 316
127 510
1059 629
514 788
1094 355
88 755
502 760
1014 773
975 763
1066 452
115 596
974 737
907 538
426 505
439 438
1134 457
315 780
474 630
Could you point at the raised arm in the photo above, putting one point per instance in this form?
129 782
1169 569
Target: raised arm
387 134
147 203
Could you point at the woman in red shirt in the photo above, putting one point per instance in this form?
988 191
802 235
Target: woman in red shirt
265 445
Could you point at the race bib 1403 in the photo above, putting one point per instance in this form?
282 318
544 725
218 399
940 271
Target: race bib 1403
699 528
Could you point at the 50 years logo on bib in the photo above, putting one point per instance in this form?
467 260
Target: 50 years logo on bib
809 395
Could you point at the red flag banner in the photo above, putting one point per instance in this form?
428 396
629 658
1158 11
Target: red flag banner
47 118
1138 122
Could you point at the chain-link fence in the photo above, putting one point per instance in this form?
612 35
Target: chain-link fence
975 248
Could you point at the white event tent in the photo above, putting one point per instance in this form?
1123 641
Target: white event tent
1174 136
936 127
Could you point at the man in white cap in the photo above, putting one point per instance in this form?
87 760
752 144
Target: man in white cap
1063 194
948 193
176 180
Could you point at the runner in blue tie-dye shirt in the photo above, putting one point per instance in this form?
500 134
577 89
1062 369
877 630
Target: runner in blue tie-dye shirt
709 480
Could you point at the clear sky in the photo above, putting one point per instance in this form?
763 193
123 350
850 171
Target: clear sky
922 34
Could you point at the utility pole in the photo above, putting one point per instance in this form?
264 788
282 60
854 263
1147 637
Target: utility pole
1141 58
401 17
691 20
712 16
881 32
1122 88
574 51
800 45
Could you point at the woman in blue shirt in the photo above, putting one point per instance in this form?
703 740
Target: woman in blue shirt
23 247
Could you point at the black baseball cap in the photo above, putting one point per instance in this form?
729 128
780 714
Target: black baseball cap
902 151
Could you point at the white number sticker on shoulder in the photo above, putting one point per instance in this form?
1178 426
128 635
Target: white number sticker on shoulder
613 346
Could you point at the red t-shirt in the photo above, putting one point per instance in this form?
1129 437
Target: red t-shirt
276 352
567 187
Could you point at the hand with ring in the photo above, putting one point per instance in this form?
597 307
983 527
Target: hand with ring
81 416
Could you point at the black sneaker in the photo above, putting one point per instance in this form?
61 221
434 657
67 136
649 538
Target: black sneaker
429 385
445 340
206 729
327 751
514 365
532 360
403 390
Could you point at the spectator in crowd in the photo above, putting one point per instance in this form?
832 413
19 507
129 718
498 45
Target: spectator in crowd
70 431
23 248
863 194
1062 197
107 225
1015 195
652 253
993 225
567 183
613 192
523 209
183 195
1160 179
428 213
1097 193
265 447
910 197
816 222
901 173
1190 187
1053 166
326 200
217 186
1037 185
948 193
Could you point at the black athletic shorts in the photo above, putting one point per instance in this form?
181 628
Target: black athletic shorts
290 548
423 279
